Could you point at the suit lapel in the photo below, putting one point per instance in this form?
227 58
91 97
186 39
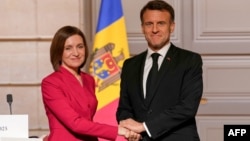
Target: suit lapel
143 58
77 93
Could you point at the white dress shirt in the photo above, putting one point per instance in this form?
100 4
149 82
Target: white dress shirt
149 63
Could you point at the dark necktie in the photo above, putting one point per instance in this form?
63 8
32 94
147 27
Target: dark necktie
152 75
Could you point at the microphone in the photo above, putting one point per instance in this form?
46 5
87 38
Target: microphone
9 100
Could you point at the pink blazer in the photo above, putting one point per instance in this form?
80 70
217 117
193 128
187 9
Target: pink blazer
70 108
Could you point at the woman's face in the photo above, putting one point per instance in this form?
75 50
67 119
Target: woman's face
73 53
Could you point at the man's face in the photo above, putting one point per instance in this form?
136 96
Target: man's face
157 27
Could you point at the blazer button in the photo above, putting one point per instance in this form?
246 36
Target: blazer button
150 111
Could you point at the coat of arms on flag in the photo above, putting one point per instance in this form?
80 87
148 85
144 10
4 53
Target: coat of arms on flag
105 66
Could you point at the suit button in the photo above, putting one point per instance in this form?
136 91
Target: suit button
150 111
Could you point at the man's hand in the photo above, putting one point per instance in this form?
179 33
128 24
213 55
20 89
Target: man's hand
132 125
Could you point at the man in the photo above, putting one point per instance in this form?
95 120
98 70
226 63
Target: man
167 111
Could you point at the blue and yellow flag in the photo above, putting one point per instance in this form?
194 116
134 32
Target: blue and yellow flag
109 51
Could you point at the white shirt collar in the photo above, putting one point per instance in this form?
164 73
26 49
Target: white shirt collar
162 51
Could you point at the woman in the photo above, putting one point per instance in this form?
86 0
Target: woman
69 94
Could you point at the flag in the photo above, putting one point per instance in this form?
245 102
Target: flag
110 49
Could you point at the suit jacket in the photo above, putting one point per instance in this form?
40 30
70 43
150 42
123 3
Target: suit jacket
70 108
170 113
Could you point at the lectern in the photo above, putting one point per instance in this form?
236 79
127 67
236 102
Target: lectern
15 128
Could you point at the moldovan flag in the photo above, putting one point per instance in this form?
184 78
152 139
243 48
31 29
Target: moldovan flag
109 52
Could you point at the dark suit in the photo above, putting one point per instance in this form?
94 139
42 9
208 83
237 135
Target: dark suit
170 113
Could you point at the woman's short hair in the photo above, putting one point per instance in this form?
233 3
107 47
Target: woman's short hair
58 42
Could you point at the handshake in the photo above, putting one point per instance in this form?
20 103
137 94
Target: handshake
130 129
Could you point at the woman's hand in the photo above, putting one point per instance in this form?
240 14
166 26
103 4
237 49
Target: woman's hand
129 135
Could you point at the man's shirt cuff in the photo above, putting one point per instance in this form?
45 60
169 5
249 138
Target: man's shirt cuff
146 128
